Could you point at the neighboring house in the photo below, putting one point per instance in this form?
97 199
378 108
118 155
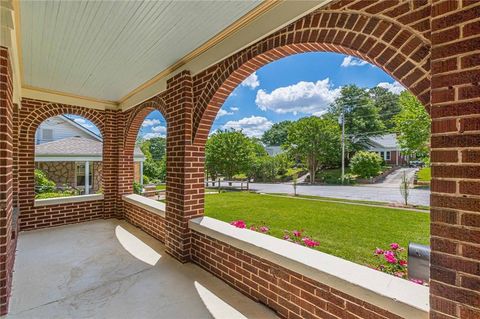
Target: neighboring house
68 152
387 147
273 150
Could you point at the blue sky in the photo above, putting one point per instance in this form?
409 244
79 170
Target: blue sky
287 89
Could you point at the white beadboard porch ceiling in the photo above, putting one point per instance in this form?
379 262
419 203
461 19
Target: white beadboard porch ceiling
105 49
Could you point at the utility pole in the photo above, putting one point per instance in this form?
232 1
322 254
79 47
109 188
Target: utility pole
342 119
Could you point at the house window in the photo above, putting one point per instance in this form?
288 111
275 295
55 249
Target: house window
382 155
388 156
47 135
80 175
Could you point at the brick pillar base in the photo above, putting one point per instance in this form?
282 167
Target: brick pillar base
185 168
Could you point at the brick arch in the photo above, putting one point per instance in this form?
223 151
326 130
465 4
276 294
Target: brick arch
398 49
30 123
134 119
31 115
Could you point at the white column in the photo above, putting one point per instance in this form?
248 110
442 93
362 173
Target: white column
141 173
87 175
385 155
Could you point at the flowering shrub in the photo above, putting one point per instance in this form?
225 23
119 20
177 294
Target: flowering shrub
295 236
392 261
298 237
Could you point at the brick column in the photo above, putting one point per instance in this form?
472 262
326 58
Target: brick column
7 243
110 164
185 168
455 199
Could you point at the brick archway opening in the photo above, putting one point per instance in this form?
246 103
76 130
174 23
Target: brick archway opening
33 113
134 120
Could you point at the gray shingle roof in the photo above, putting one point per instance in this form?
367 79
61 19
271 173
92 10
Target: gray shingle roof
387 140
74 146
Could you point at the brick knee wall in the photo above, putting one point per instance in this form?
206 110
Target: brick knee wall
151 223
7 231
62 214
290 294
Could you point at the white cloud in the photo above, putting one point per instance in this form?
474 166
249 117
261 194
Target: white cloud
393 87
222 112
159 129
150 122
303 97
83 123
252 81
152 135
351 61
234 109
251 126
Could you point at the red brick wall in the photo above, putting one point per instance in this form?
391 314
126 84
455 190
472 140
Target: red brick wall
455 199
151 223
29 117
290 294
7 233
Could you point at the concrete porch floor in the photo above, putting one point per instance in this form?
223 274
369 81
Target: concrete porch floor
111 269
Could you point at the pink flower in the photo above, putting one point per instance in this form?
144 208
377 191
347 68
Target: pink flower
417 281
239 224
264 229
297 233
402 262
390 257
379 251
310 242
253 228
394 246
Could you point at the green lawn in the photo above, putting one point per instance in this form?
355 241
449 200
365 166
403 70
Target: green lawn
161 187
425 174
348 231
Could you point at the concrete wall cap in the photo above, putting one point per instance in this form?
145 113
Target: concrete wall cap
67 200
148 204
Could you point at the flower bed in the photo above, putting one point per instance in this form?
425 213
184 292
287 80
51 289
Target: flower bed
391 261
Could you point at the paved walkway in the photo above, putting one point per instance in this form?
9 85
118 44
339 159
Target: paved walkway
110 269
395 178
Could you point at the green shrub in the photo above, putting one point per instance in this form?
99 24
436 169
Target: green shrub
146 180
42 183
366 164
137 188
53 195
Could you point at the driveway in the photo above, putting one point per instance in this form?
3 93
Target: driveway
395 178
364 192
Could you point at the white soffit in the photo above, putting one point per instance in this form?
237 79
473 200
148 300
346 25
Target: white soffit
105 49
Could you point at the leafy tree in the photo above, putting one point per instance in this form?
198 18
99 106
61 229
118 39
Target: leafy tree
366 164
362 118
228 152
413 126
157 147
387 105
277 134
316 141
154 166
